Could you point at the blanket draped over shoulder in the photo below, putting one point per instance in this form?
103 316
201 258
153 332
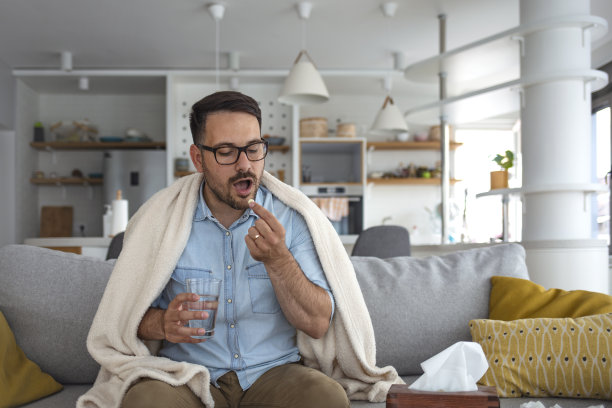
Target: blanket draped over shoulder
154 241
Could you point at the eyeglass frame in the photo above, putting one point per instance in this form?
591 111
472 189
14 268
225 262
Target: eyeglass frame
242 149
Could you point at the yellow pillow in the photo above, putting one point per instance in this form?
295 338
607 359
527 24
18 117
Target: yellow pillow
21 380
514 298
544 357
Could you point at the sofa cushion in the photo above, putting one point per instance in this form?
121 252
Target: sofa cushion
420 306
21 380
543 357
49 299
513 298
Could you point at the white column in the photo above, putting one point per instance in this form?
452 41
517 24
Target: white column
556 148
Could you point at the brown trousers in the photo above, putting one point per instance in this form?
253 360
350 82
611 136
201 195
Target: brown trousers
287 386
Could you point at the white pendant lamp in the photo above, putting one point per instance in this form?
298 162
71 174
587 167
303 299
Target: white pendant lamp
304 85
389 120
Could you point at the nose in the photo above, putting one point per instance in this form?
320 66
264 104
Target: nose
243 162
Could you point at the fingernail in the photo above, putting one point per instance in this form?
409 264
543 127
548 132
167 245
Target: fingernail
201 331
203 315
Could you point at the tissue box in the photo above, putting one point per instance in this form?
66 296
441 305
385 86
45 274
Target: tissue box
400 396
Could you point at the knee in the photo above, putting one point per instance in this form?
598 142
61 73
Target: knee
148 393
326 393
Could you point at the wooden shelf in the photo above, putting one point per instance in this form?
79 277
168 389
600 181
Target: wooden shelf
430 145
279 148
183 173
408 181
97 145
67 181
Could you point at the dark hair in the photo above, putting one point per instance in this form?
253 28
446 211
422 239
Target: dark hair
228 101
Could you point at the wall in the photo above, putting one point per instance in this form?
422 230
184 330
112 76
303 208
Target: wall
7 98
7 186
26 194
276 119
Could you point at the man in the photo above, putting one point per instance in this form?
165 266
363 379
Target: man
263 265
277 255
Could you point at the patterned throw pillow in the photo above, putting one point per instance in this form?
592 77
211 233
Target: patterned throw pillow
544 357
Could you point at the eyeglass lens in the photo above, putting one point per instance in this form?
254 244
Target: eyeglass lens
229 154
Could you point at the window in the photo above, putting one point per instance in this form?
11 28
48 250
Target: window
602 166
483 216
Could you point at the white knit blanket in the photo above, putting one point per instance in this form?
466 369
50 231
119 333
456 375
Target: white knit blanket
154 240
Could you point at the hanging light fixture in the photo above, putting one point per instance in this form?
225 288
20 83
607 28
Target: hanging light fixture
304 84
389 120
217 11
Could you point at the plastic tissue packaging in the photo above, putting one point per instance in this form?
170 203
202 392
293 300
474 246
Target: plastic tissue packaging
457 368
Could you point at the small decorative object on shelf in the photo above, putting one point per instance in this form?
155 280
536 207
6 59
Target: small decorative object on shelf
499 179
39 132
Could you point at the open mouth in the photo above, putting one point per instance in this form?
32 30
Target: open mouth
243 187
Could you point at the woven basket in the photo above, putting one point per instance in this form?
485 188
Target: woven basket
313 127
346 130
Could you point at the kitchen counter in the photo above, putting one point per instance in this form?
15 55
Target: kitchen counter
90 246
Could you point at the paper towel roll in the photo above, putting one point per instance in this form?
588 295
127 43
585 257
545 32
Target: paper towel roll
120 214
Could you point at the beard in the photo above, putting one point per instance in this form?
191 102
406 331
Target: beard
226 192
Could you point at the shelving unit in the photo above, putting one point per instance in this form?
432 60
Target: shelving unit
64 181
408 181
429 145
484 76
97 145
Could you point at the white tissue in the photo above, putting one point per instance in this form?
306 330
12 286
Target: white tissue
538 404
456 368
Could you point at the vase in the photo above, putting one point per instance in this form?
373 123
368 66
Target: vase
499 179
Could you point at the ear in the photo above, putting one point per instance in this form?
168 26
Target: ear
196 158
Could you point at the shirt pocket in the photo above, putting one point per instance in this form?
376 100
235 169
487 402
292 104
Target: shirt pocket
181 274
263 298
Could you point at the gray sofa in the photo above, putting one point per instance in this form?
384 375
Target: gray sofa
419 306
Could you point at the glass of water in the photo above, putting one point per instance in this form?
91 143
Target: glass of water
208 289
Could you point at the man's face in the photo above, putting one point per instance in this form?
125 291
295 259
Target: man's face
234 184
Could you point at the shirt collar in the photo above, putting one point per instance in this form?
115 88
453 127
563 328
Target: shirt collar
203 212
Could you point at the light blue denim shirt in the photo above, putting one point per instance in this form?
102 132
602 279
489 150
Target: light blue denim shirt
251 334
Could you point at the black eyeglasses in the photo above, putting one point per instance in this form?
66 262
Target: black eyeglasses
226 155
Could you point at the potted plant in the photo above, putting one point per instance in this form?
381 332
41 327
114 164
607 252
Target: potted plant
499 179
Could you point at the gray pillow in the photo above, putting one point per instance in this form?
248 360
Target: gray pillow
49 299
420 306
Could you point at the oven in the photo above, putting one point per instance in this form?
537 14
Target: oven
342 204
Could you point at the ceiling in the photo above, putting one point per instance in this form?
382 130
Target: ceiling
267 34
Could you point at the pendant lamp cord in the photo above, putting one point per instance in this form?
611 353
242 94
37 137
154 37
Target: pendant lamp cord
217 33
303 34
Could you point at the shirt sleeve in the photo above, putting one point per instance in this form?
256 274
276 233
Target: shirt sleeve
303 250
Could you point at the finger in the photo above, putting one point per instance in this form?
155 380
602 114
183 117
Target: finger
184 335
253 233
266 215
181 298
264 229
186 315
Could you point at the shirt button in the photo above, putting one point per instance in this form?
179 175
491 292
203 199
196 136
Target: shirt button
227 233
236 356
229 300
229 267
232 326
